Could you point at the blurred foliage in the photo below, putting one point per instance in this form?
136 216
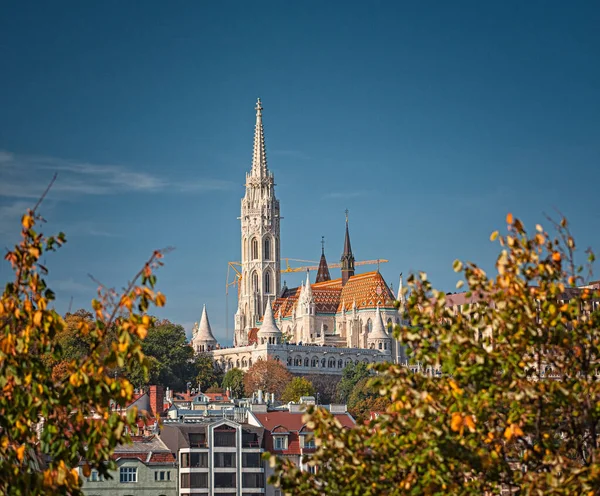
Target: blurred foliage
59 395
517 406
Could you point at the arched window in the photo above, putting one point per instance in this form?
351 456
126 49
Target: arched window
267 249
314 362
298 361
380 345
268 282
255 282
244 362
331 363
369 325
237 363
340 364
250 362
390 326
289 360
254 249
306 362
323 363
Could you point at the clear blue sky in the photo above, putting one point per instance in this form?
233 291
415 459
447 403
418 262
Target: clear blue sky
429 121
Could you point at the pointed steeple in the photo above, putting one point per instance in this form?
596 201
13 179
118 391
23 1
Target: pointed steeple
259 156
347 257
269 332
323 271
204 339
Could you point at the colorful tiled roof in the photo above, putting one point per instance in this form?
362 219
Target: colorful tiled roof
368 290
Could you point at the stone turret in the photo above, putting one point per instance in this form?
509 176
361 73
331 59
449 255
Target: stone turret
269 333
378 338
203 339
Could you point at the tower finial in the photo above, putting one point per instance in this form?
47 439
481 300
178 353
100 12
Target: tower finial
346 215
258 107
347 257
322 245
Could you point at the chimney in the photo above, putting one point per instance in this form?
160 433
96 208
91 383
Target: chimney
157 399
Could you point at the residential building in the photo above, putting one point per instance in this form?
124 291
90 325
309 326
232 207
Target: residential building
217 456
146 467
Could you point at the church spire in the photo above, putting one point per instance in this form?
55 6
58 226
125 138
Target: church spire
323 271
259 156
347 257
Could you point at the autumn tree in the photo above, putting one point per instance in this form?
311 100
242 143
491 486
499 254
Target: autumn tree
325 387
517 405
296 388
269 375
234 380
50 421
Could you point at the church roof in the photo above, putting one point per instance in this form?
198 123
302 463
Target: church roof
323 270
204 331
368 290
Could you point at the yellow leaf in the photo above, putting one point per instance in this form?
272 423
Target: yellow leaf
539 228
493 236
160 299
456 422
37 318
27 221
21 452
508 433
141 331
470 423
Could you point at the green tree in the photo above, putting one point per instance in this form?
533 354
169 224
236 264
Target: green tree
296 388
234 380
207 375
50 421
351 375
493 419
172 357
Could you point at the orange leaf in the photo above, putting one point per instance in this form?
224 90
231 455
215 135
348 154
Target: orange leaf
21 452
556 256
456 422
509 218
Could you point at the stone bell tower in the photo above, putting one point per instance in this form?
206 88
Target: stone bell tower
261 265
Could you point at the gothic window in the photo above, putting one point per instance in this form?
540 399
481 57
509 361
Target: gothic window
380 345
298 361
250 362
254 249
237 363
255 282
268 282
340 364
314 362
331 363
306 362
390 325
323 363
289 360
267 249
244 363
369 325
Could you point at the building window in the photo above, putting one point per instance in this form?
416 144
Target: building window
251 460
128 474
194 460
224 479
197 480
225 460
162 475
95 477
268 282
225 437
280 442
308 441
253 480
255 282
267 249
314 362
254 249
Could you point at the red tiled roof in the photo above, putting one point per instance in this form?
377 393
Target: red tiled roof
368 290
162 458
283 422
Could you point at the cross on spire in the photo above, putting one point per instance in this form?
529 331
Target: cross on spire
322 245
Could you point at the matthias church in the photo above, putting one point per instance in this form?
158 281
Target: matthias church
318 327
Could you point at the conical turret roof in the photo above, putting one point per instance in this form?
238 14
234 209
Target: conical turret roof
323 271
269 326
378 331
204 331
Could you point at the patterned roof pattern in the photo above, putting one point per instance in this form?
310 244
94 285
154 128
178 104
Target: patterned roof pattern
368 290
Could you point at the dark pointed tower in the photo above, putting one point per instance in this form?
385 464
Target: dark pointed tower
347 257
323 271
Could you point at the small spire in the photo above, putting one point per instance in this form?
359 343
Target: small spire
322 245
378 330
323 270
204 332
347 259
